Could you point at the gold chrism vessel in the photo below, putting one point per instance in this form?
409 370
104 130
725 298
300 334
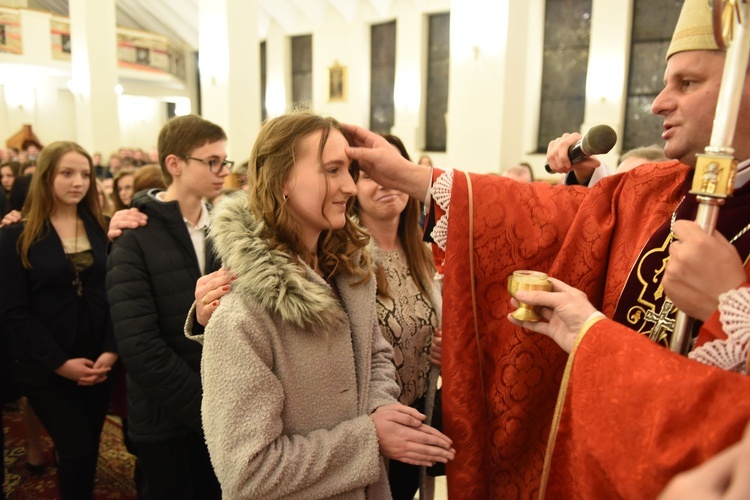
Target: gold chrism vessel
527 281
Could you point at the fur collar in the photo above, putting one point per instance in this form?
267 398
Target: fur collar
281 284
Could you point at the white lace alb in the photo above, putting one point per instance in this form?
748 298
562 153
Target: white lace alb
441 194
731 353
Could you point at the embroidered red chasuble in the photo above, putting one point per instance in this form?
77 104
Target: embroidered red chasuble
635 414
501 384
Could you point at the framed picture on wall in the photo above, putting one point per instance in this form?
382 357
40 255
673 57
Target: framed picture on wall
10 31
60 38
337 83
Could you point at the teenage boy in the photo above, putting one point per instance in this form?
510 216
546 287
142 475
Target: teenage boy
151 278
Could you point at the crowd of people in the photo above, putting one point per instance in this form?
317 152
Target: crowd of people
149 277
284 340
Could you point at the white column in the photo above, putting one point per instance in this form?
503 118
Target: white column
94 73
278 71
229 64
519 69
476 93
607 75
408 96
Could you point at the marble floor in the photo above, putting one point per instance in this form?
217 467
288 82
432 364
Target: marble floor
441 488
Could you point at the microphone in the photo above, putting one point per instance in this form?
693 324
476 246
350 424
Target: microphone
598 140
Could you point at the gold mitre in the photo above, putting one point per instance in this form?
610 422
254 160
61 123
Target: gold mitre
694 29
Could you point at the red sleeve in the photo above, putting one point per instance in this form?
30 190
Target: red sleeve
634 414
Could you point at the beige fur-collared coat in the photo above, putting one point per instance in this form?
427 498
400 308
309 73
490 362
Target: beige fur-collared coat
290 376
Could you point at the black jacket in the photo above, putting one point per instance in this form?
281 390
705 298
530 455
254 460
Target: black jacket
151 275
39 305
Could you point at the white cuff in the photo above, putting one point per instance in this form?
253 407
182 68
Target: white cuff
441 193
729 354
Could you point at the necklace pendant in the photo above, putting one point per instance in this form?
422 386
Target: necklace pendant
663 323
79 285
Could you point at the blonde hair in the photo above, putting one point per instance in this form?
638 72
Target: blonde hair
107 208
116 200
272 159
148 177
41 201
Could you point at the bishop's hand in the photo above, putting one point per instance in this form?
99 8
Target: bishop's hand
385 165
701 267
565 310
559 161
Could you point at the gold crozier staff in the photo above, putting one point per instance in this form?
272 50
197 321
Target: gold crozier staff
713 180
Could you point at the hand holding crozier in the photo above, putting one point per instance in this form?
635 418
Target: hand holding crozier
560 313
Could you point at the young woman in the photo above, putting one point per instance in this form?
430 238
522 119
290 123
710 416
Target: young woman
122 189
54 306
299 390
104 201
8 173
408 300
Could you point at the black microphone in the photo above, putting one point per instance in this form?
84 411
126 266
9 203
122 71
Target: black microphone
598 140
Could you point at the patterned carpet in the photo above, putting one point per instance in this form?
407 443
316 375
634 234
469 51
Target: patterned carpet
113 476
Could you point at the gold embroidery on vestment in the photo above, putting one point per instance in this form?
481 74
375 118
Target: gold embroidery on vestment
643 316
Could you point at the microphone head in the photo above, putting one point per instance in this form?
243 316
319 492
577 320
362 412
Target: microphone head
599 140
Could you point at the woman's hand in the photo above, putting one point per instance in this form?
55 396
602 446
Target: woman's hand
436 356
81 370
565 310
208 290
402 436
106 361
103 364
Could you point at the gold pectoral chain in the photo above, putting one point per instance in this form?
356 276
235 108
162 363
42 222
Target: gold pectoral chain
674 218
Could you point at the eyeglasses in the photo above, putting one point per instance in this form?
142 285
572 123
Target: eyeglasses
214 165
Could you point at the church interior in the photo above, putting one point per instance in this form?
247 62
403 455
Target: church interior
475 84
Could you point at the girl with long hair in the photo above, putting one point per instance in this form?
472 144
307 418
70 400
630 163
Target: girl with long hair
122 189
105 203
53 304
299 389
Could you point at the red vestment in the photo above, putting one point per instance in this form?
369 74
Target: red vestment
501 383
635 414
